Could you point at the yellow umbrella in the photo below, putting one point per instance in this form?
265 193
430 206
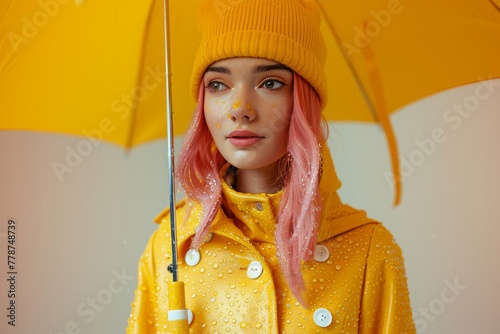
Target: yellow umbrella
97 69
72 67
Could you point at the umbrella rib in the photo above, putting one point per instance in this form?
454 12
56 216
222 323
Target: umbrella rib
349 64
376 84
379 111
495 4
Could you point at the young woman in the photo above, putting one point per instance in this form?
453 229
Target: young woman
265 243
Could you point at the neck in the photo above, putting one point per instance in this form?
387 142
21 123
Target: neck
256 181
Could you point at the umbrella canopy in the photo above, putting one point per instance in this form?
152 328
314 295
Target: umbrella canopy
98 68
381 56
71 66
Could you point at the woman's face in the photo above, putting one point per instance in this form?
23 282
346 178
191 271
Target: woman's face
248 104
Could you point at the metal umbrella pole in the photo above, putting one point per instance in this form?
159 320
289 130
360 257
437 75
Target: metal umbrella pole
177 314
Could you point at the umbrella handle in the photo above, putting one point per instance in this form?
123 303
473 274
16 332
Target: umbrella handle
177 314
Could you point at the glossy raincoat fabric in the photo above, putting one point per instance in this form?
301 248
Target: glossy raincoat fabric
356 282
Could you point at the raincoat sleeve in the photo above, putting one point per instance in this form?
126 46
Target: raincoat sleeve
385 305
144 307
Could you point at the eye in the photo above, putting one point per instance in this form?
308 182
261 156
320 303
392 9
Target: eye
216 86
272 84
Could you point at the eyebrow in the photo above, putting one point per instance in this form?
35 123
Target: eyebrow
256 69
267 68
218 69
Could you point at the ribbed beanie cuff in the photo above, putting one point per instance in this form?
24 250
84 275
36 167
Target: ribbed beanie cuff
286 31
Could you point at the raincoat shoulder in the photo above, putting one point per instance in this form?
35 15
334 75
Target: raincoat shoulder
148 312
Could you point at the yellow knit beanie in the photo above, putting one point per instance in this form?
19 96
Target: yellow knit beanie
286 31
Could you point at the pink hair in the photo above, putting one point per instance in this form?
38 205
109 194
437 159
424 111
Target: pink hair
300 211
198 170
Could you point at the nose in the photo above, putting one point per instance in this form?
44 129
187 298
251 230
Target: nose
242 108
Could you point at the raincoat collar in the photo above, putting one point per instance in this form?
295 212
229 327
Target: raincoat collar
254 214
336 217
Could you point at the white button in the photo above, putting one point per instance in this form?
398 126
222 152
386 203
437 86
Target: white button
208 237
190 316
192 257
254 270
321 253
322 317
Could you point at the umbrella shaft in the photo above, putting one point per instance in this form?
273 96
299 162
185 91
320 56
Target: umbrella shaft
170 141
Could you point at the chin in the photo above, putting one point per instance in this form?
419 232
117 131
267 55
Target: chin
250 164
245 164
252 159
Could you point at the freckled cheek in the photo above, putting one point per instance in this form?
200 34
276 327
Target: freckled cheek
216 114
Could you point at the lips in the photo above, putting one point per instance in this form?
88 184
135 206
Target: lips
242 138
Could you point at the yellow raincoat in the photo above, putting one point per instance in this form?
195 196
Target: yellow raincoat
355 284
